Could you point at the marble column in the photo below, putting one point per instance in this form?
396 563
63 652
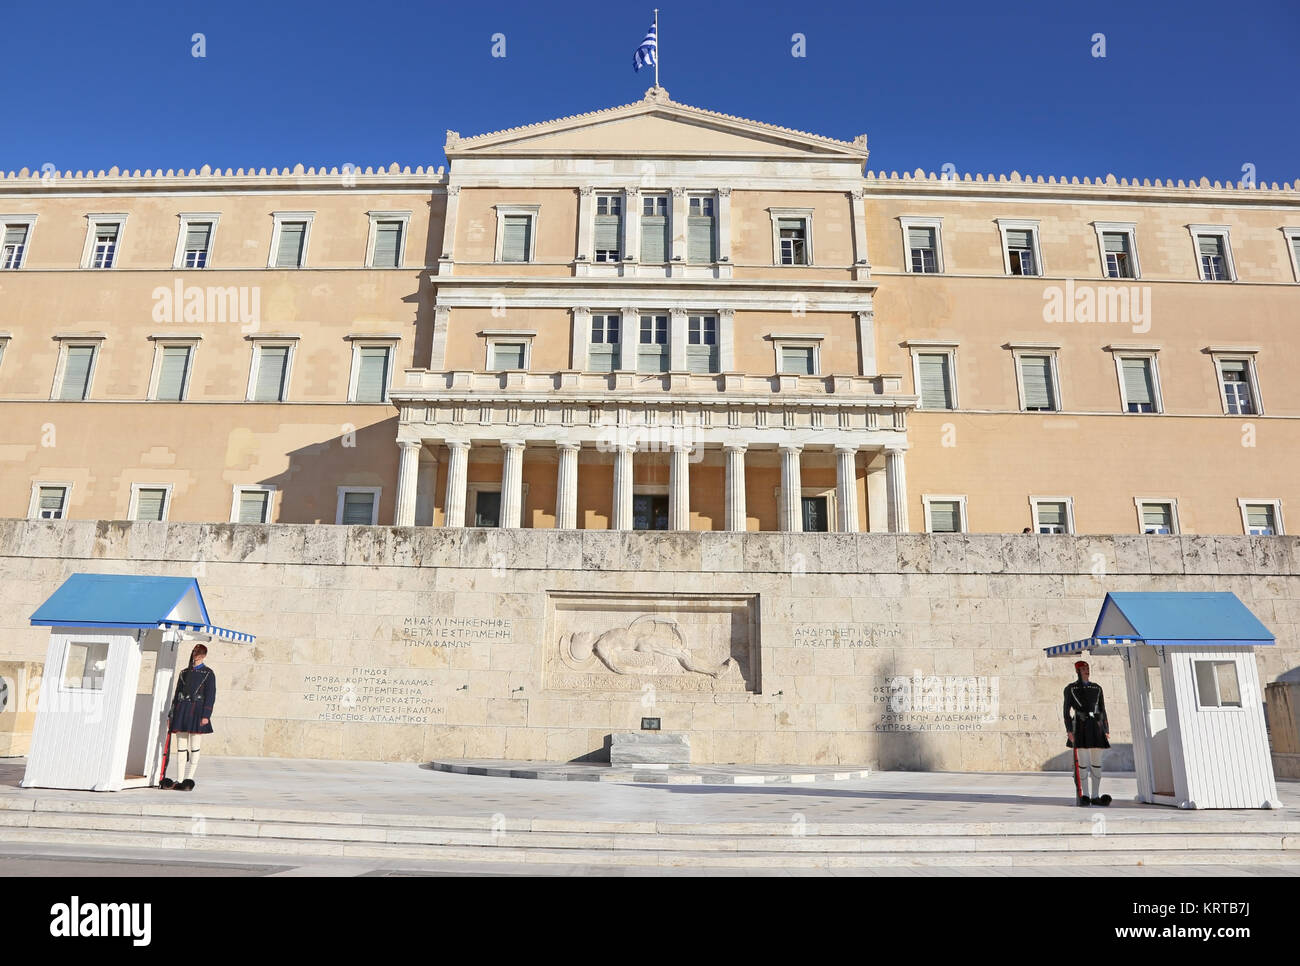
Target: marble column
790 508
846 489
896 481
512 483
408 472
457 480
566 487
735 497
622 517
679 488
877 494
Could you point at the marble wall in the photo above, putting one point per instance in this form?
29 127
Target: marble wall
895 651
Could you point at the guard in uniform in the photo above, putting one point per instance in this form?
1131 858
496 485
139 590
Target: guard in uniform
1088 732
191 718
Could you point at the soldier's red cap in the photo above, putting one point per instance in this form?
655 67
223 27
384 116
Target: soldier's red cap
1079 664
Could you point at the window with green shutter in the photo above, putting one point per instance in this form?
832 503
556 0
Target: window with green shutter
945 516
388 244
935 379
1157 518
254 506
923 250
516 238
1036 377
702 343
507 355
77 368
171 375
1118 258
1020 251
50 502
1139 390
198 236
358 508
150 503
701 230
1295 251
609 228
13 246
1214 265
372 373
603 350
288 253
104 252
272 370
1052 518
652 349
800 360
793 236
1235 377
1260 519
655 243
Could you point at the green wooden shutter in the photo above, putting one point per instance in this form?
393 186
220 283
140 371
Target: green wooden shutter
289 252
1036 372
1210 244
797 360
515 238
51 502
1137 381
196 236
270 374
149 504
654 239
388 238
936 381
922 238
1259 516
701 239
372 374
253 506
1051 515
609 233
945 516
171 378
1115 241
76 372
1157 516
508 355
16 235
1020 238
358 509
1295 247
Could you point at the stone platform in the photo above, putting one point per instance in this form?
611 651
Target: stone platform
576 771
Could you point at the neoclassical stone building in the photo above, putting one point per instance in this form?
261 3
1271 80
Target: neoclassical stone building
650 317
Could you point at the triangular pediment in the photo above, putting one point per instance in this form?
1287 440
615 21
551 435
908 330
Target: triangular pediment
656 127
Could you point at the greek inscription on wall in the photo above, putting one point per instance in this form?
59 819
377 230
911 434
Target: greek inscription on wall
830 634
377 695
446 631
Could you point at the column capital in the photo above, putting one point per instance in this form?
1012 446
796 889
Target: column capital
867 315
409 444
456 444
735 447
581 310
848 448
856 194
793 448
726 313
724 191
895 450
586 190
453 190
679 192
512 444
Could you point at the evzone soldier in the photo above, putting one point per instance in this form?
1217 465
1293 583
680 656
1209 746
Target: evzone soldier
190 719
1087 731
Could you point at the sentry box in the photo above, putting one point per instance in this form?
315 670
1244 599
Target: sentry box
1194 698
116 641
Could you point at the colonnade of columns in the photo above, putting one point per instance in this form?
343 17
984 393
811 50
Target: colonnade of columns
789 499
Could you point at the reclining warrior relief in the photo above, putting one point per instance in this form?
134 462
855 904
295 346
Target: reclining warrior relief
628 650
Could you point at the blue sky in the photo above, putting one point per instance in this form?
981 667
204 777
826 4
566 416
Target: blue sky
1186 88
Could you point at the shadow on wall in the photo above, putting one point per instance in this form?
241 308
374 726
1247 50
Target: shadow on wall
1116 758
366 456
901 750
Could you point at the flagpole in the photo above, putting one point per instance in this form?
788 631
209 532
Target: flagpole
656 46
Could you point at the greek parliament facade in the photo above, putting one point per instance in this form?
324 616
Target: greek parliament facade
648 318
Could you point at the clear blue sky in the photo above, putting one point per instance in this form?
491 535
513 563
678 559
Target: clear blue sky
1187 88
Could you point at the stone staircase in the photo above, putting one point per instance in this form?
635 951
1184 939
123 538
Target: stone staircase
1095 839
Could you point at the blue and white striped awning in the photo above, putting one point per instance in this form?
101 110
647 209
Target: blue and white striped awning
224 633
1090 643
1170 619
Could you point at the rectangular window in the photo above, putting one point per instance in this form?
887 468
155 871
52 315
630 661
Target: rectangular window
935 377
1157 518
51 502
609 228
84 666
1217 685
150 503
487 508
650 511
1261 519
604 342
816 518
198 239
173 372
372 373
1212 252
702 343
1020 251
388 244
923 250
701 230
516 240
358 508
272 373
793 233
104 251
1036 380
1051 517
1293 236
14 246
1119 260
798 360
945 516
655 241
652 351
508 355
1234 376
1139 389
78 365
253 506
289 249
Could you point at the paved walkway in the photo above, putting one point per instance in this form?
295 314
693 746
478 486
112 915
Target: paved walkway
416 789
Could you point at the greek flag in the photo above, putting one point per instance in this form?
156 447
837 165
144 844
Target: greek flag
648 53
